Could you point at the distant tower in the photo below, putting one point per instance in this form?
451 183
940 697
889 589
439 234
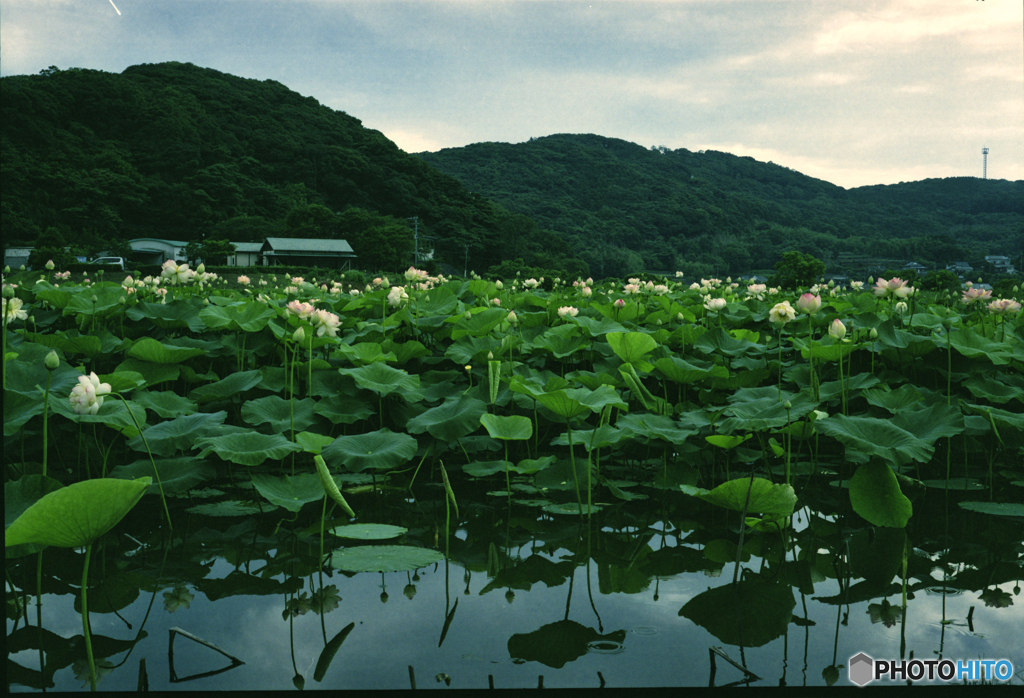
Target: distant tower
984 163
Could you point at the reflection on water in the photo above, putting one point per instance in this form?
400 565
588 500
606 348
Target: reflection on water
635 597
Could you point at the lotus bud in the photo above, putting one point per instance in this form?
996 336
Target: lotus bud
49 265
21 268
385 282
469 315
8 291
32 319
409 591
7 268
201 268
490 356
299 336
122 300
95 299
206 301
871 279
510 596
679 317
873 333
498 285
52 361
788 405
468 367
620 304
383 597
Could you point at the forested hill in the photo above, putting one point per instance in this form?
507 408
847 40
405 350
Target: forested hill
626 207
181 152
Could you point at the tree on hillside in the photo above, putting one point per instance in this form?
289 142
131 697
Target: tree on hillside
797 269
209 251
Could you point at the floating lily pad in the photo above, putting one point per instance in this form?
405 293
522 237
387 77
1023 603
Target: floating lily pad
571 508
230 508
384 558
995 508
369 531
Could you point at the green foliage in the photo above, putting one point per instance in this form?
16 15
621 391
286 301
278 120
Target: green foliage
941 280
797 269
173 150
209 251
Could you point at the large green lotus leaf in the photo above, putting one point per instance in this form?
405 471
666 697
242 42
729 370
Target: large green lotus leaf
600 397
514 427
289 491
932 422
1013 509
248 316
1003 418
384 558
563 405
404 352
751 613
176 474
971 344
451 420
123 381
114 414
311 442
875 495
469 349
831 390
596 327
679 371
894 400
865 437
759 409
591 439
654 426
826 352
183 313
148 349
278 413
556 644
248 448
87 344
165 438
153 373
718 341
376 450
383 379
166 403
108 300
632 347
78 514
369 531
19 408
27 373
19 495
344 409
364 353
480 323
766 497
227 387
1000 388
485 468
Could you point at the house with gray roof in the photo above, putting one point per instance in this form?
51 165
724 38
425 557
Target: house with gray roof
246 254
307 252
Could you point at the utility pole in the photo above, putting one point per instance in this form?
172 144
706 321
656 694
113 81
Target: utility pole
465 269
416 236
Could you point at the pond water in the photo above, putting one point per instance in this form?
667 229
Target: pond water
635 597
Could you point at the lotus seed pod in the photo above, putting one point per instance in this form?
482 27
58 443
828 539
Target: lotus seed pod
52 361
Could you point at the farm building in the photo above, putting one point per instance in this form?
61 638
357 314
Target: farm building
334 254
247 254
156 250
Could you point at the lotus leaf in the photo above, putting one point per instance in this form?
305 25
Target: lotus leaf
246 448
875 495
384 558
370 531
376 450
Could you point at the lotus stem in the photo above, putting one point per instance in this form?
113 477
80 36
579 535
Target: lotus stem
85 619
145 443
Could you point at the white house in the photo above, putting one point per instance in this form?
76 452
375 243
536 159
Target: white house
247 254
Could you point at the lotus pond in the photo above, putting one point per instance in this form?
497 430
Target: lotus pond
294 484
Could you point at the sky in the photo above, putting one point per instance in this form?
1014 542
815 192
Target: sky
854 93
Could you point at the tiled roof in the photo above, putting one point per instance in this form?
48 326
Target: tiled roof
307 246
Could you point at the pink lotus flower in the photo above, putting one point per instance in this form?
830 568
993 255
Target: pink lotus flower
414 274
300 309
715 304
620 304
568 310
892 287
973 295
496 301
326 323
1004 306
243 280
809 303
